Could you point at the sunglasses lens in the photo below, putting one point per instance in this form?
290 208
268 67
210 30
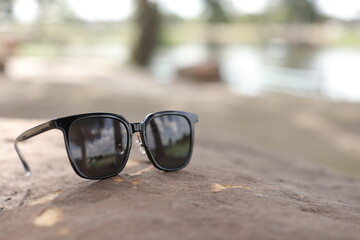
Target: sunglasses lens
169 140
98 146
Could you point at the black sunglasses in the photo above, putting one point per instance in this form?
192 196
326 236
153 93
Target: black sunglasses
98 144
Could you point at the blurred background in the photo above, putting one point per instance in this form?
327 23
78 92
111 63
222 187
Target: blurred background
281 75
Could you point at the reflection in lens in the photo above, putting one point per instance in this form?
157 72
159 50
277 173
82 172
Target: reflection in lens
98 145
169 140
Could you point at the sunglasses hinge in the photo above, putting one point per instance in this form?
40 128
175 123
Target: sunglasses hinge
136 127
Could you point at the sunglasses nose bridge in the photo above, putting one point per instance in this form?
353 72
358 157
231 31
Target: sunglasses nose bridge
135 127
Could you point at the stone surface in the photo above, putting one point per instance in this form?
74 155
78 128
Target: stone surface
230 190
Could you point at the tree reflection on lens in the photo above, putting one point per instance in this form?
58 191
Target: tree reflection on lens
168 138
97 145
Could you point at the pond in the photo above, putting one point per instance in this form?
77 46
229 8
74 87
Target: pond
251 70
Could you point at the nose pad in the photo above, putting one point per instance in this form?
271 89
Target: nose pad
139 144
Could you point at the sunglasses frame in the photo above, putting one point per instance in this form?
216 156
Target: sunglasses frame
64 124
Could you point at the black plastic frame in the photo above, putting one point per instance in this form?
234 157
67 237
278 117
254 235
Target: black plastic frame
65 123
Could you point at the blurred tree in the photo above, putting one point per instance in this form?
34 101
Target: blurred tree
295 11
44 15
217 13
149 23
51 11
54 11
6 10
7 43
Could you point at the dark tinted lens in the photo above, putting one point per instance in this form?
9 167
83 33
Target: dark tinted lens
169 140
98 145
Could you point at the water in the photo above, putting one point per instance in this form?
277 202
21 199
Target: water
248 70
331 72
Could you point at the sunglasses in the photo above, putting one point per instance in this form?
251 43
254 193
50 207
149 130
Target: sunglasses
98 144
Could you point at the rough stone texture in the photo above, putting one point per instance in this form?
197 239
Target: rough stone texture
230 190
273 167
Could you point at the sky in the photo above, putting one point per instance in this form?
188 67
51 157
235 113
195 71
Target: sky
25 11
345 9
95 10
115 10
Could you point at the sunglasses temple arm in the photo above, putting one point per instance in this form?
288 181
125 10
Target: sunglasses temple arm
29 134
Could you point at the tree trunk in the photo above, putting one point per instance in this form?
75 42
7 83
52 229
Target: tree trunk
149 26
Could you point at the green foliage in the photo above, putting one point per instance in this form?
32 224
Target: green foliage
294 11
217 13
